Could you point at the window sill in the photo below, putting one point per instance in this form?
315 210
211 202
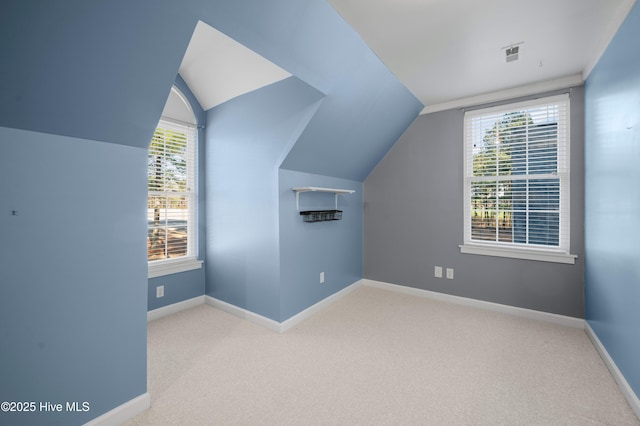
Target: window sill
167 267
519 253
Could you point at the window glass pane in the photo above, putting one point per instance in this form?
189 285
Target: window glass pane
544 194
156 220
177 218
505 211
543 149
485 159
483 226
544 228
483 207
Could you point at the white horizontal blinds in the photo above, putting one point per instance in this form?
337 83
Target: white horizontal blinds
517 174
171 179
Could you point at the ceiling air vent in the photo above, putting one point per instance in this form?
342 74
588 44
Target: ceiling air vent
512 52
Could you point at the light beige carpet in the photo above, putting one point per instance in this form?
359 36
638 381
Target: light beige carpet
377 357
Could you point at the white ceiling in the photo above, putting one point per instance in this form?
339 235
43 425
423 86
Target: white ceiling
217 68
449 53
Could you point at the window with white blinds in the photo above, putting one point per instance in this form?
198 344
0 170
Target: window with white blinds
172 197
516 180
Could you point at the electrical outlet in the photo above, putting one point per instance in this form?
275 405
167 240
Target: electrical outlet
449 273
321 277
437 271
160 291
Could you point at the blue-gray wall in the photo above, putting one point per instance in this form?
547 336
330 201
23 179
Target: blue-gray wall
413 221
73 273
364 109
99 71
306 249
612 199
247 138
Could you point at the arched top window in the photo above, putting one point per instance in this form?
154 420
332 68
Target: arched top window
178 108
172 194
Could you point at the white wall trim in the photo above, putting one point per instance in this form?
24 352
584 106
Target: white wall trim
519 253
624 386
123 412
171 266
243 313
481 304
611 31
281 327
314 309
507 94
174 308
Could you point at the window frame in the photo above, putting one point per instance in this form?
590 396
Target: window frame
161 267
559 254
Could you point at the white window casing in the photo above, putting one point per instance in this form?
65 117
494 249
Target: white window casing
172 199
516 181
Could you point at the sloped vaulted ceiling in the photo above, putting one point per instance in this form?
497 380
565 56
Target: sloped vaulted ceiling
102 71
92 70
366 108
217 68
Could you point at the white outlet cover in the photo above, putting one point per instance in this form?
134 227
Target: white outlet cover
321 277
450 273
437 271
160 291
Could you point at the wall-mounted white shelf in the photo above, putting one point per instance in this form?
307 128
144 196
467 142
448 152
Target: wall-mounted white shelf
319 189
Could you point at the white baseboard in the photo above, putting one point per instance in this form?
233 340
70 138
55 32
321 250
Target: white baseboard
280 327
173 308
311 310
243 313
624 386
480 304
123 412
